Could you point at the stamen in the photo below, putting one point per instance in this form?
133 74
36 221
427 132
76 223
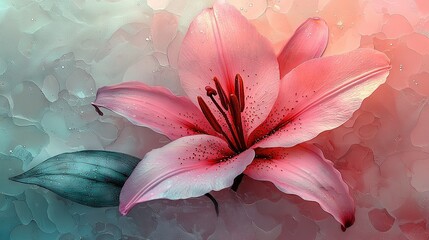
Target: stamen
210 91
235 109
239 91
209 115
222 96
213 122
234 104
236 117
226 120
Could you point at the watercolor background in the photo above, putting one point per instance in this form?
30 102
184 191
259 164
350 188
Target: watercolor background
54 54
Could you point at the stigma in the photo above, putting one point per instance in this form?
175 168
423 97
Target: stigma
231 106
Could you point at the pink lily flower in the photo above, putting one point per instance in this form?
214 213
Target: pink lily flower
248 111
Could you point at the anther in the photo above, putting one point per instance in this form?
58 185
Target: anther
239 91
209 115
210 91
235 110
236 117
222 96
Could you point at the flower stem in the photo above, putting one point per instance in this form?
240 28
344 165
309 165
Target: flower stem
216 205
237 181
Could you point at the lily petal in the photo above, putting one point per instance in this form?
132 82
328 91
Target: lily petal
154 107
188 167
221 43
303 171
321 94
309 41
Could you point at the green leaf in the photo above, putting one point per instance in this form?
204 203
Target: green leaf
93 178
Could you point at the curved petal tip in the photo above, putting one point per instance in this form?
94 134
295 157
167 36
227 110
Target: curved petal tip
125 208
309 41
303 171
